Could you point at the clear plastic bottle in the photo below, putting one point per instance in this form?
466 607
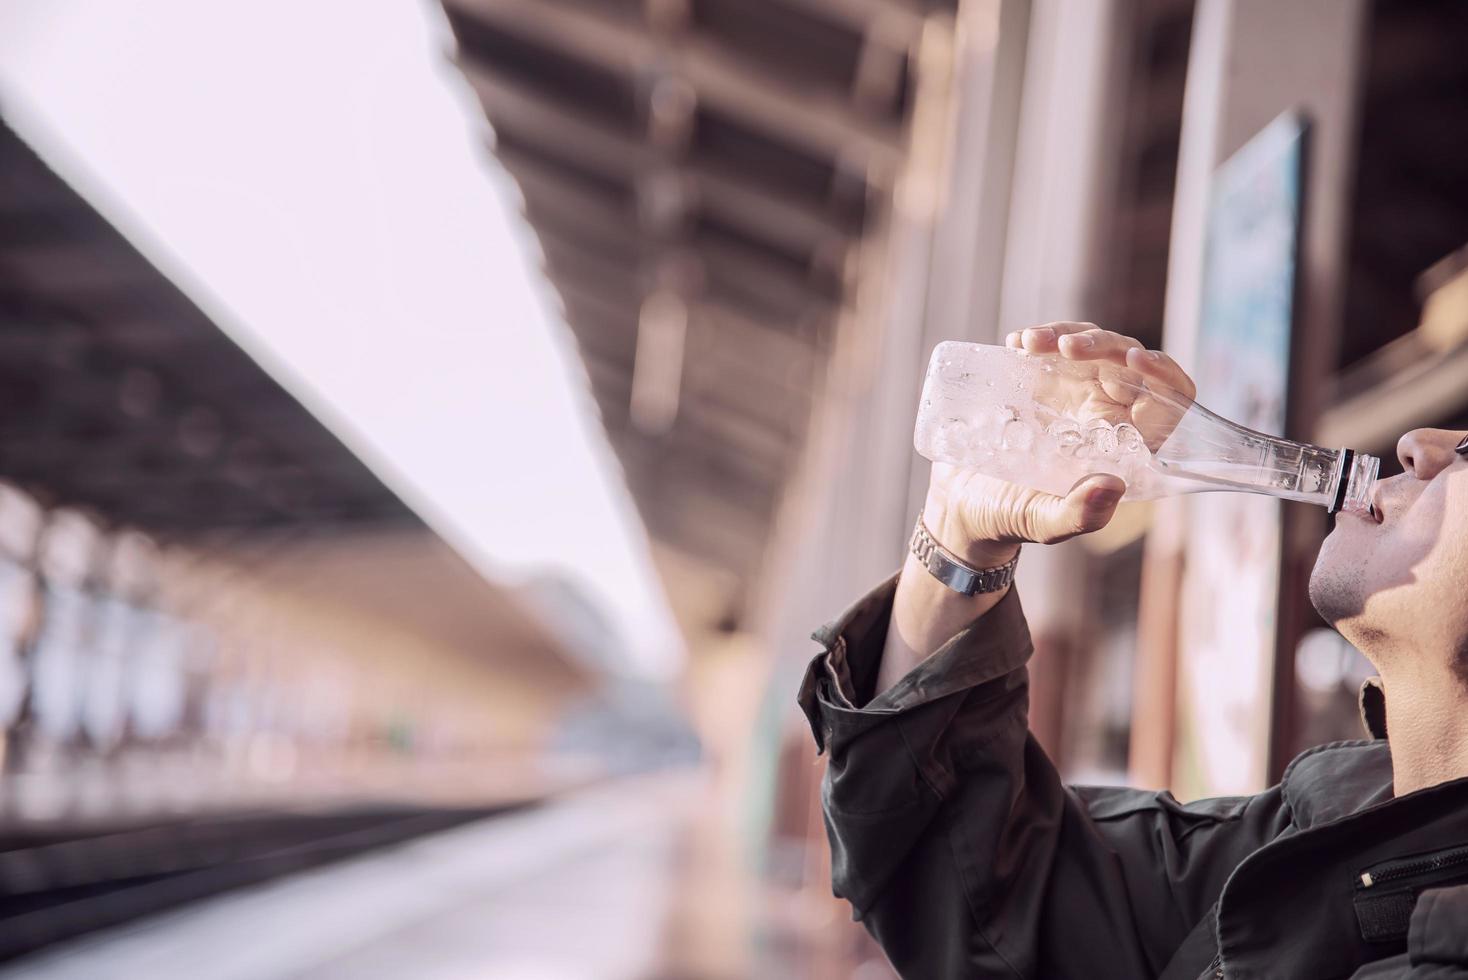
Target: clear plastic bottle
1045 421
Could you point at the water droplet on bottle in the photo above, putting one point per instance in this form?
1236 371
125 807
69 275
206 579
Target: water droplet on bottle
1017 436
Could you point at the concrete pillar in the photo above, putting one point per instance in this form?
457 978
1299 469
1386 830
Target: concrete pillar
1065 162
1251 60
846 523
997 226
1064 173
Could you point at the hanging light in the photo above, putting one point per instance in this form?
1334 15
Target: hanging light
657 371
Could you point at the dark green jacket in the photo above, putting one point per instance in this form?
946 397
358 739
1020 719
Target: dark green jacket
965 856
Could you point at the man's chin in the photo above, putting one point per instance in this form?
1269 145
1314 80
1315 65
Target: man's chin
1337 586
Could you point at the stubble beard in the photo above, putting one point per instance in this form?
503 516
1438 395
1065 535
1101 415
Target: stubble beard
1335 591
1338 592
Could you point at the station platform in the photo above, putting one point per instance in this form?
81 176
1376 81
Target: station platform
610 881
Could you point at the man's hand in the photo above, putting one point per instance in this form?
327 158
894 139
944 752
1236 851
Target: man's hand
984 520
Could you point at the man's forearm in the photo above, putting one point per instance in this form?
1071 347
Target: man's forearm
925 615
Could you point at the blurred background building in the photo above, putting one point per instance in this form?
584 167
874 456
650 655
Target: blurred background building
431 431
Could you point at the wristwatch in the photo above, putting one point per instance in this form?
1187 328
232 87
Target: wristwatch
959 576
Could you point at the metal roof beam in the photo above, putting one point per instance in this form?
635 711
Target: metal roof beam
710 441
753 343
903 22
586 278
829 127
578 208
543 186
562 129
779 409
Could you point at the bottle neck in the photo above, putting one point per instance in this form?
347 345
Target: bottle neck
1355 482
1206 452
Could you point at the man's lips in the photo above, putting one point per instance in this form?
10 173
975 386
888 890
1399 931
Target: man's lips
1377 511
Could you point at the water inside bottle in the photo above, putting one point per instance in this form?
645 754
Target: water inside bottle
992 413
1046 422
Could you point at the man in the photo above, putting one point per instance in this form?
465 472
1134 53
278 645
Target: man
964 855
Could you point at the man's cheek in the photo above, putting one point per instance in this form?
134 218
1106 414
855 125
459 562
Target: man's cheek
1424 545
1450 544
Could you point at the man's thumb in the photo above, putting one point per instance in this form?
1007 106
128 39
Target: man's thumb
1088 507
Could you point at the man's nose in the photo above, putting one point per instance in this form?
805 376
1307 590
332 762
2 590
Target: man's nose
1424 453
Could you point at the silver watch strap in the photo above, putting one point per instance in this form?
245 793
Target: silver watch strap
947 568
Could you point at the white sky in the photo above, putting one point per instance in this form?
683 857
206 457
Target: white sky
314 175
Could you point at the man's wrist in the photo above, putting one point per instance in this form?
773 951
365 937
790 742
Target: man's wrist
925 615
949 531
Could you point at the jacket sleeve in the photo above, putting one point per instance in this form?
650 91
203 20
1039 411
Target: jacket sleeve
958 846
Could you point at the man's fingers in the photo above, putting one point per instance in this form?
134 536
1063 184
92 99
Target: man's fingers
1097 344
1107 345
1045 339
1158 366
1038 340
1065 327
1079 341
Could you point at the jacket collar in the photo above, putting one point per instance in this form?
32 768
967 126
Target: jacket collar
1341 779
1335 780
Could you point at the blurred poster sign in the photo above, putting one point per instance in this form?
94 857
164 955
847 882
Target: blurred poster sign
1230 591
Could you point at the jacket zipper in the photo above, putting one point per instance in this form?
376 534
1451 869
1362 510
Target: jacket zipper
1416 866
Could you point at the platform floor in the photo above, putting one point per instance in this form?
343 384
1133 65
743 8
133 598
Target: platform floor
614 882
